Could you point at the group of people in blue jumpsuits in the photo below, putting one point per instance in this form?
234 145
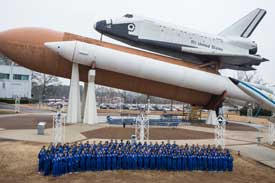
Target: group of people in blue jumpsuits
78 157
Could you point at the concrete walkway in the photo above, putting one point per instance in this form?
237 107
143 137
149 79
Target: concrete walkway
259 153
72 133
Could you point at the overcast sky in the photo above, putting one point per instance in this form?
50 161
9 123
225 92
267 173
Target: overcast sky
78 16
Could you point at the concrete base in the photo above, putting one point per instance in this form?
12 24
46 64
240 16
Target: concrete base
90 112
212 118
74 109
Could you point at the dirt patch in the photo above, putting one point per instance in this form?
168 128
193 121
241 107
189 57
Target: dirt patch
229 126
25 122
18 163
155 133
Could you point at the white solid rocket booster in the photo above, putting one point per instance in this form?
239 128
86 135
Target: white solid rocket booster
147 68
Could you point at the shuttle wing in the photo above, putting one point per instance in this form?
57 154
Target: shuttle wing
229 60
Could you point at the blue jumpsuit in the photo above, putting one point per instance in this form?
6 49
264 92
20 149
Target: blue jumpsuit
76 163
174 162
114 161
184 162
98 162
152 162
82 162
103 161
190 162
163 161
88 161
216 163
55 166
124 161
41 157
109 161
47 165
169 162
64 165
179 162
220 158
210 162
199 162
224 159
119 159
194 160
230 163
204 162
70 163
60 166
140 161
146 161
134 167
158 157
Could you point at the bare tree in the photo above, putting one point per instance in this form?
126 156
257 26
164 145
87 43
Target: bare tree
251 77
41 83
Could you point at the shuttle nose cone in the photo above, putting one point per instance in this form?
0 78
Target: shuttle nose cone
101 26
235 81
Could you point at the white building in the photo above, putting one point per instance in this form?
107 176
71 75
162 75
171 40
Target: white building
14 80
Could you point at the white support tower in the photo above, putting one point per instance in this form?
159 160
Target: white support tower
90 111
58 128
220 131
17 105
74 108
142 128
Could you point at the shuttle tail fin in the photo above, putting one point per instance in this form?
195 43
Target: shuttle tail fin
245 26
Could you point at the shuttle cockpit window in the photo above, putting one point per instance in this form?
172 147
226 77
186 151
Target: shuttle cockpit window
128 16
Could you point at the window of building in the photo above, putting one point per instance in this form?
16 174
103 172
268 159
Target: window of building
20 77
4 76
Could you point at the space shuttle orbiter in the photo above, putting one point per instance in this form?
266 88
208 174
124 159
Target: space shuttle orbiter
231 49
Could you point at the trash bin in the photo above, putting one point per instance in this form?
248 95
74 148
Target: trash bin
40 128
259 140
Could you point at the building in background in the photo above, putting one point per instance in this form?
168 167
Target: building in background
15 81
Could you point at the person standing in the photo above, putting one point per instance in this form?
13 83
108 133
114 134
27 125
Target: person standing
230 163
140 160
109 160
119 160
114 160
55 166
70 163
41 159
134 161
82 161
179 161
146 160
76 162
47 164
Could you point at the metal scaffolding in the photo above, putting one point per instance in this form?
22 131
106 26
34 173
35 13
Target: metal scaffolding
142 128
271 130
17 105
220 131
58 128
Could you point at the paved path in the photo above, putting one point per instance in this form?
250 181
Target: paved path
257 152
72 133
23 109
